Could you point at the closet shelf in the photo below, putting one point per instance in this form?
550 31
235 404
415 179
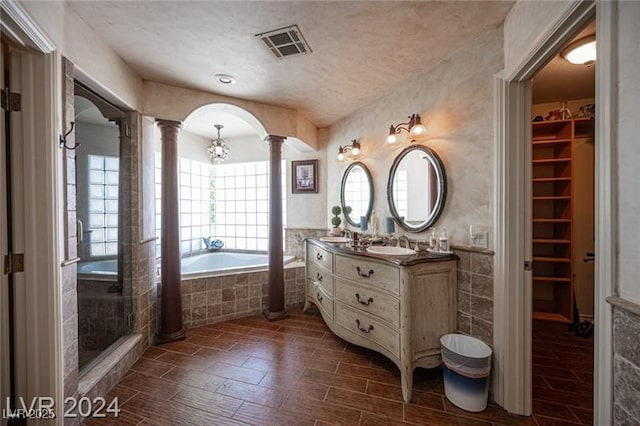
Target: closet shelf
552 179
537 142
550 161
551 241
551 279
553 197
551 259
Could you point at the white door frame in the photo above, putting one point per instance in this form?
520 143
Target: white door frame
513 300
37 175
4 295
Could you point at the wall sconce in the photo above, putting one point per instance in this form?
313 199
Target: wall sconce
413 126
354 149
582 52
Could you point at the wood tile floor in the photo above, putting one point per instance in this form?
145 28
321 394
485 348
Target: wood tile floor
292 372
562 375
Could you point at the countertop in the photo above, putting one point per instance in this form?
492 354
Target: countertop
420 257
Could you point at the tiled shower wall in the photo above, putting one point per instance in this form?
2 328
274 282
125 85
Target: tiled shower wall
137 257
69 267
101 318
138 254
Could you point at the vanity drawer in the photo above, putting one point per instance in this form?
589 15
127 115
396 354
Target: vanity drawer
320 297
368 327
320 256
321 276
368 299
372 273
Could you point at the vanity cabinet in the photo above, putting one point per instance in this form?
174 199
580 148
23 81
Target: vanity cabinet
397 306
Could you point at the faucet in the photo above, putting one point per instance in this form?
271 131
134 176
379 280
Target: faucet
405 238
348 233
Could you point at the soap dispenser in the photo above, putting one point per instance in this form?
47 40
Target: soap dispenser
433 240
443 242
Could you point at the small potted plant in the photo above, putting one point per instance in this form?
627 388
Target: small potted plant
336 221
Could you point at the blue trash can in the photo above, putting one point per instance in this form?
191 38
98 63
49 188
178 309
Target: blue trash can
467 367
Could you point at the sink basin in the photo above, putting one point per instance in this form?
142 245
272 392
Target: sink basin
391 251
334 239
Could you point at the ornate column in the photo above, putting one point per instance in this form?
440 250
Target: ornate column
276 309
171 327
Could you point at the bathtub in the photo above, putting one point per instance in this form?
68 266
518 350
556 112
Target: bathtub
215 263
223 262
99 268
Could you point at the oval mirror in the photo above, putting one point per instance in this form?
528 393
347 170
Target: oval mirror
356 192
417 188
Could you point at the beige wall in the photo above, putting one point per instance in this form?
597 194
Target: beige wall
176 103
628 129
91 55
303 210
454 99
526 26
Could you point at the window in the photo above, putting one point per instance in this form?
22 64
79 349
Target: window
242 204
400 191
103 205
226 201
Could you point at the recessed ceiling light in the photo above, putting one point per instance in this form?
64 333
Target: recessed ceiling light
225 79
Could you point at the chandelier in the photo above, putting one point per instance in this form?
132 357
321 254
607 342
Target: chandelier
218 150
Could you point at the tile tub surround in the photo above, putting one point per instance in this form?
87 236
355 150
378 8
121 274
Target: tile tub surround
475 293
294 239
218 298
626 363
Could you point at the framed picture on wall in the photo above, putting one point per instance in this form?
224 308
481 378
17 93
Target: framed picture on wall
304 176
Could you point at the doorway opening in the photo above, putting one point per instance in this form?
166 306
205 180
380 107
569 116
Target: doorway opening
562 196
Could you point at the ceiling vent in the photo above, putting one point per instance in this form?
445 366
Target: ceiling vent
286 41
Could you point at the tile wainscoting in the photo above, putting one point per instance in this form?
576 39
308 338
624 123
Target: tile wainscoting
294 239
475 293
626 361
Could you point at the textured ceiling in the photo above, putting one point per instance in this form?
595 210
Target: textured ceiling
361 49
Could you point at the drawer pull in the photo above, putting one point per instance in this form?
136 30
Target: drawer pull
319 277
364 302
364 330
362 274
319 256
319 298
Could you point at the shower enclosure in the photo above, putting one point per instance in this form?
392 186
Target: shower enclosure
103 303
